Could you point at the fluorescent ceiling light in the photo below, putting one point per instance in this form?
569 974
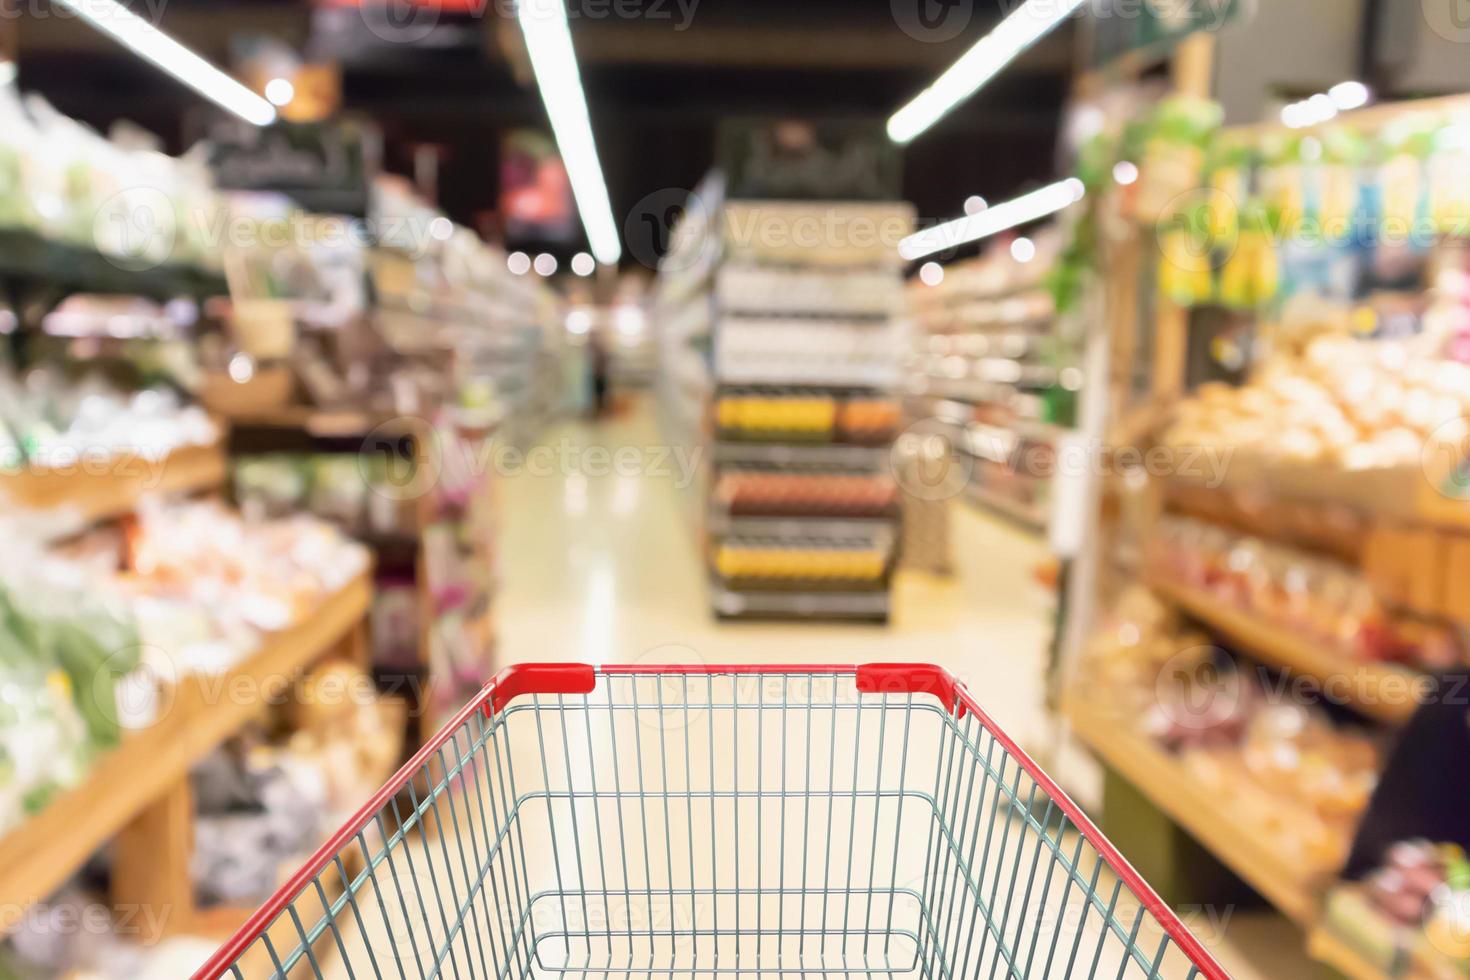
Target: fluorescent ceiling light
151 44
1350 95
994 219
1324 106
549 44
1023 28
279 91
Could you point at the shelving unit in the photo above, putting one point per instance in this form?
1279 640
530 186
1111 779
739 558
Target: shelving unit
1403 494
451 497
1327 948
101 490
222 922
320 327
465 316
1386 692
984 375
1291 886
153 764
1333 516
777 362
30 262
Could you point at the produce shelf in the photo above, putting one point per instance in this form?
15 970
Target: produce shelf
27 257
96 491
221 922
39 856
1406 494
323 423
1287 882
1383 691
1327 948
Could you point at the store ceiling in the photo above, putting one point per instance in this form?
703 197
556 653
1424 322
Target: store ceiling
657 84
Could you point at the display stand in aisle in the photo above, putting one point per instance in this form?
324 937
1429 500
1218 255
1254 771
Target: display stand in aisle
682 309
803 351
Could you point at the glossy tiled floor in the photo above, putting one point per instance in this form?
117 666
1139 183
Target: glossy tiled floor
606 569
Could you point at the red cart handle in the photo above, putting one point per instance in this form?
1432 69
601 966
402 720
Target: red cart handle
518 679
911 679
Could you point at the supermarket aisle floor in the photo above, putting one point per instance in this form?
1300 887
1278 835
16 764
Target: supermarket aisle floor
605 569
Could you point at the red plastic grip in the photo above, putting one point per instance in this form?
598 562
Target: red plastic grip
518 679
911 679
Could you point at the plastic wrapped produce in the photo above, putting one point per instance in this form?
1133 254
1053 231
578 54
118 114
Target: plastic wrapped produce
43 738
17 147
238 854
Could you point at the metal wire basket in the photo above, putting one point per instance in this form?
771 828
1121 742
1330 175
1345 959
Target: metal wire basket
717 821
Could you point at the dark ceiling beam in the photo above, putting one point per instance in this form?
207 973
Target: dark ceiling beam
706 43
765 47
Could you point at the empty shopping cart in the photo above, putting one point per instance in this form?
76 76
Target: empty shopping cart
576 822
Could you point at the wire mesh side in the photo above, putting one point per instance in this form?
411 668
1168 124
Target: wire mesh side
432 885
1019 891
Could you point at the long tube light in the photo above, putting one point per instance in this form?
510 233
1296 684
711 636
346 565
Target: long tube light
1024 27
549 44
151 44
997 218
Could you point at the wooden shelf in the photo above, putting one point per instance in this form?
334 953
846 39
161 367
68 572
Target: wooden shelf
29 258
96 496
1364 120
1403 494
1330 949
219 923
40 855
1386 692
1327 948
323 423
1291 887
